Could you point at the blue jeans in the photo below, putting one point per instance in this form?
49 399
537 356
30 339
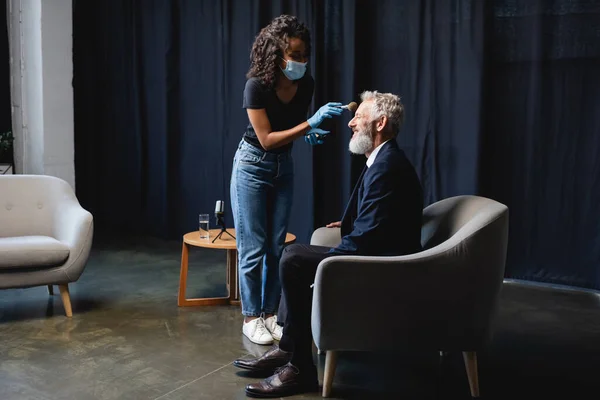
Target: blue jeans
261 188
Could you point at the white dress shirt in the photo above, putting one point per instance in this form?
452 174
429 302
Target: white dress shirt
373 155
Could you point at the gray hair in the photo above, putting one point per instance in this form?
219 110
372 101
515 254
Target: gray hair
387 104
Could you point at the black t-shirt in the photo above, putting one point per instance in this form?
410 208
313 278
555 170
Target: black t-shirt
281 115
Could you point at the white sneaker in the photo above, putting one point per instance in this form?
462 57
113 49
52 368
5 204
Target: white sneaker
275 330
257 332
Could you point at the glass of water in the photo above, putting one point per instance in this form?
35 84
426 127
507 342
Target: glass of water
203 221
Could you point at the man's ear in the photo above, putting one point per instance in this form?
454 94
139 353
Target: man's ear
381 123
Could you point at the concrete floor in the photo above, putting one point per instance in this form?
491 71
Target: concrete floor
129 340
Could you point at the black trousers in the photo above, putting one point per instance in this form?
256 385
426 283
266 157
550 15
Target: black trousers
297 270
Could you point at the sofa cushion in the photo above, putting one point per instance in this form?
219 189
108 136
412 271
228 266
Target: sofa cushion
31 252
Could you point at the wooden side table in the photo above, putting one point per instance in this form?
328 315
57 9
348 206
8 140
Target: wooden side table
225 242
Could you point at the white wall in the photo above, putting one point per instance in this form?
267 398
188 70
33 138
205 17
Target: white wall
31 81
57 54
13 16
40 34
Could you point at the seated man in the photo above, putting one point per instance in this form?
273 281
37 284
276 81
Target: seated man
383 218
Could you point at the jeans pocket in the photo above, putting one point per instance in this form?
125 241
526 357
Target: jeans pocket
248 157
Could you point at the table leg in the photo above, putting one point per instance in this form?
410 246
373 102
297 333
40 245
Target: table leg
228 272
182 301
183 275
232 277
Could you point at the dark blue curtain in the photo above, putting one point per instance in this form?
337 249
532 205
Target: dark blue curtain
502 100
541 136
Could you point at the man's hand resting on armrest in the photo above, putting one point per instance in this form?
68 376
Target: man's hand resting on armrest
334 225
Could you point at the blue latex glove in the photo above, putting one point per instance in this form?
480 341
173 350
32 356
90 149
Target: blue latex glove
327 111
315 136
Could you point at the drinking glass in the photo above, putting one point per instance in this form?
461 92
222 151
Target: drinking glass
203 221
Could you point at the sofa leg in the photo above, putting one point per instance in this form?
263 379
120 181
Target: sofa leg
330 364
51 290
470 358
66 299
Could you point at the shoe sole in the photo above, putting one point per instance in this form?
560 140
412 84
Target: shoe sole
257 342
285 393
252 369
257 369
262 343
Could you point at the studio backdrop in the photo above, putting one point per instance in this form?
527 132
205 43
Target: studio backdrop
502 100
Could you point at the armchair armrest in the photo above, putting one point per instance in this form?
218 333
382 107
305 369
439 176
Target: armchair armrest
329 237
74 226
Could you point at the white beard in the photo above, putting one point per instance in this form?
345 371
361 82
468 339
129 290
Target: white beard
361 143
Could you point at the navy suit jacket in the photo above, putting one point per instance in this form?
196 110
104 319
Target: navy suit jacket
384 214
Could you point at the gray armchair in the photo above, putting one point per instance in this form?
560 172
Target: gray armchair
45 234
442 298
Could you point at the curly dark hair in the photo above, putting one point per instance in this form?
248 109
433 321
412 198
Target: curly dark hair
268 47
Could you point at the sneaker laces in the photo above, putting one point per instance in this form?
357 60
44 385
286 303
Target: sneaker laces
261 329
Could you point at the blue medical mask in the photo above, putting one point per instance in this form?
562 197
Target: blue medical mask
294 70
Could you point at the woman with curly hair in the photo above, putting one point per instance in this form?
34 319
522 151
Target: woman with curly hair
277 96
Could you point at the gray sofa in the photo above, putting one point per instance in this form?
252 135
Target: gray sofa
45 234
443 298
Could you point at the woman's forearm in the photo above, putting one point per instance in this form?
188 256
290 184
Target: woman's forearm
273 140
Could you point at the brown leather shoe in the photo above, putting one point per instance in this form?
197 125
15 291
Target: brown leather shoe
287 381
268 362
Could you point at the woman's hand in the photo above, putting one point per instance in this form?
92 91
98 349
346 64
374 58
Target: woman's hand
327 111
315 136
334 225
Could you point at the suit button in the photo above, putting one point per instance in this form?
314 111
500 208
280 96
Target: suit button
8 206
